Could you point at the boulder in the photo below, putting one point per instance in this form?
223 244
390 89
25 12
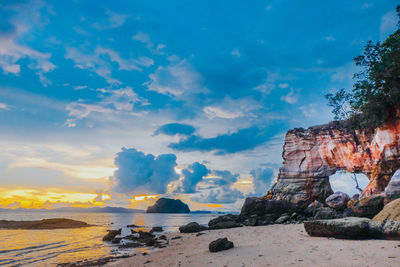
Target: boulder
368 207
167 205
392 190
220 244
337 201
262 207
313 207
282 219
325 213
225 221
389 217
192 227
111 234
156 229
346 228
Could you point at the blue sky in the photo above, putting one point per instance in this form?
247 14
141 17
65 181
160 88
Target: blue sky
181 90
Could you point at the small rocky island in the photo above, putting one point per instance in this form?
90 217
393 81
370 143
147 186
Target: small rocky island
167 205
45 224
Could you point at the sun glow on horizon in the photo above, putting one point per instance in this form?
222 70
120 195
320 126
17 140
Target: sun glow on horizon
49 198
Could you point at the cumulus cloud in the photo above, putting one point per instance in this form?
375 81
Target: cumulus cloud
3 106
172 129
138 172
192 176
262 178
243 139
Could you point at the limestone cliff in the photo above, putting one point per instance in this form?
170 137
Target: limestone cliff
311 155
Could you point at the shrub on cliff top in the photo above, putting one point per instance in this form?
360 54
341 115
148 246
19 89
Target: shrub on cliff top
376 90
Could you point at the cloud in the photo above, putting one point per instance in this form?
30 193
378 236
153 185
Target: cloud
115 20
388 24
309 110
141 173
217 112
172 129
243 139
235 52
118 101
97 63
15 27
224 193
219 196
3 106
262 178
175 79
192 176
292 96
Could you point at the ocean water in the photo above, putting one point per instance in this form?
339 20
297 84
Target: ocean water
50 247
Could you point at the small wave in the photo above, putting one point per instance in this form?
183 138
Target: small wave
32 247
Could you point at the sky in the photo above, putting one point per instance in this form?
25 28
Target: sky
118 103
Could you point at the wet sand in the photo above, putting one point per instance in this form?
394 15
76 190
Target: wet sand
272 245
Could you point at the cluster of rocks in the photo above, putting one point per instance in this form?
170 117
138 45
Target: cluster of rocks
137 238
386 224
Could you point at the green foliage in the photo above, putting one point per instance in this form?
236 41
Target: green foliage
376 90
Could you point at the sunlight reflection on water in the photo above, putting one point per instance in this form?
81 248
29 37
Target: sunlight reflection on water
40 247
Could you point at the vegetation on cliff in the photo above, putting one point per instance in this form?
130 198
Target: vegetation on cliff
376 91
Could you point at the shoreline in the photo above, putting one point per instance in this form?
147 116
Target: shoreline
271 245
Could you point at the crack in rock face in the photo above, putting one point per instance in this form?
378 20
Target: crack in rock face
311 155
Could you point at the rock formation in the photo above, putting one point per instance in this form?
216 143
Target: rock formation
167 205
311 155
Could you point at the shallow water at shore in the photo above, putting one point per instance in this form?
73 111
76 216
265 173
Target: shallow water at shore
49 247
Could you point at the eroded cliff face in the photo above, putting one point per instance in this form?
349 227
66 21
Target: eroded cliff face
311 155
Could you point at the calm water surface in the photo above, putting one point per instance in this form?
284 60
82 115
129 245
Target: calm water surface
49 247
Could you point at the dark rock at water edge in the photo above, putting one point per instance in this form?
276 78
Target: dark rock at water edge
220 244
167 205
192 227
111 234
225 221
346 228
156 229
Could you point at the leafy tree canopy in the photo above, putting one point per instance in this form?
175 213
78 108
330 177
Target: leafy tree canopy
376 90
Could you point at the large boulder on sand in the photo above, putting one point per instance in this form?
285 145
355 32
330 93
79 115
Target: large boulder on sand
262 207
337 201
346 228
220 244
192 227
368 207
225 221
389 217
392 190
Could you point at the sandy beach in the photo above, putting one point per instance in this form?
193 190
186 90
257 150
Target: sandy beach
272 245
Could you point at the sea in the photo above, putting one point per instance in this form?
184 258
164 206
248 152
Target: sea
52 247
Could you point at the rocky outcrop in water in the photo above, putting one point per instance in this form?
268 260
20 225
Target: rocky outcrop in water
167 205
57 223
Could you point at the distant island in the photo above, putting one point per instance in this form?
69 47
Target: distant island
56 223
168 205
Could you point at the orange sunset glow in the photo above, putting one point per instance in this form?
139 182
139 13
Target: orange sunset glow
33 198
